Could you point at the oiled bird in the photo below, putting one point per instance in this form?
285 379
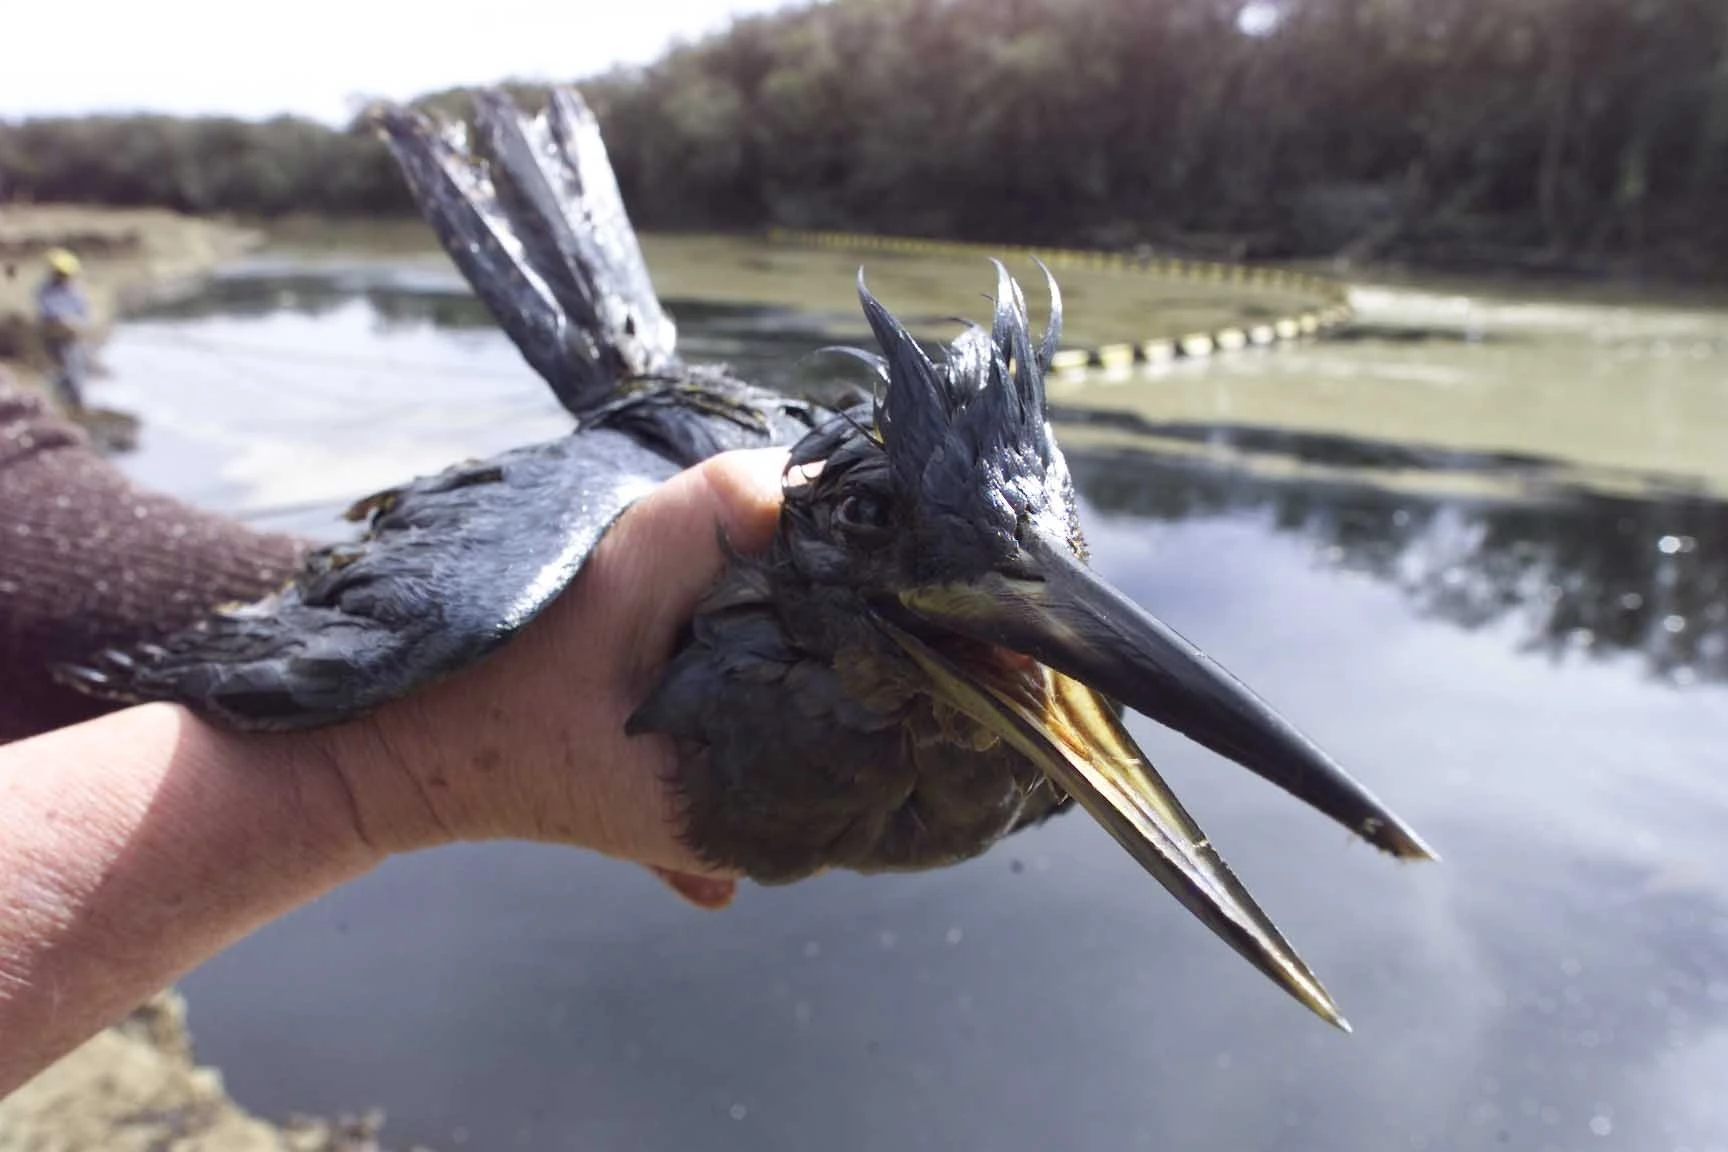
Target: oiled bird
919 664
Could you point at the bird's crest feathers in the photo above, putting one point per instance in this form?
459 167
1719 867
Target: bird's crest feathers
984 401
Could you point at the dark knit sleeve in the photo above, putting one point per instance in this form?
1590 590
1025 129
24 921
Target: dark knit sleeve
87 560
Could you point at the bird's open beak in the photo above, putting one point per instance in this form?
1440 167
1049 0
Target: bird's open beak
1041 656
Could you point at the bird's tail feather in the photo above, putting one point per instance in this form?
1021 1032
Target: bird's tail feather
532 216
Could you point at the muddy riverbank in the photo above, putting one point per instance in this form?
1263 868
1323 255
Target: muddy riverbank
131 257
137 1087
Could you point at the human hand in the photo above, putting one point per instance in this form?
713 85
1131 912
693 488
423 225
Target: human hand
530 743
138 844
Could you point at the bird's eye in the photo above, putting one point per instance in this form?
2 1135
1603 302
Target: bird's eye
864 513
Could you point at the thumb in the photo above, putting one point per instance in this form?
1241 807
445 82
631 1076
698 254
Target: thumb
667 546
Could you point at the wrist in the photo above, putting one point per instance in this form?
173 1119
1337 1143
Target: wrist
495 752
377 779
302 779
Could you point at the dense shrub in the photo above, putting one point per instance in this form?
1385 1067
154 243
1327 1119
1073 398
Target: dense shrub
1551 129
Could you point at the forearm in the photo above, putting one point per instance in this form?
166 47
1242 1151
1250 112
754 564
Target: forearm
136 845
88 561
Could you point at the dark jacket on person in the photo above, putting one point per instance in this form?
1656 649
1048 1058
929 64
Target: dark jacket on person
88 560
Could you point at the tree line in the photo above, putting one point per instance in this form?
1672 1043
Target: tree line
1538 132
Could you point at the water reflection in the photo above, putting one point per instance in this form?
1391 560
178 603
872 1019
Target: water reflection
396 295
1577 572
771 346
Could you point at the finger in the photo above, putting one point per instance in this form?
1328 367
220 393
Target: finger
707 892
745 490
667 547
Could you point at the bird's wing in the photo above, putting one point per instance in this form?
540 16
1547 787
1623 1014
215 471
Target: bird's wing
450 567
533 218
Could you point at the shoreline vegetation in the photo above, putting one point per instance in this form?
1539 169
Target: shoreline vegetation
1580 137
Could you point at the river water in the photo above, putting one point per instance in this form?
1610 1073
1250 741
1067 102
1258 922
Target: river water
1477 549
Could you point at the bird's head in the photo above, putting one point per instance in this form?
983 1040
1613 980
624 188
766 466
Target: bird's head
945 516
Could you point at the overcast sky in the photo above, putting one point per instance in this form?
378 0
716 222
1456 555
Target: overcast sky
314 56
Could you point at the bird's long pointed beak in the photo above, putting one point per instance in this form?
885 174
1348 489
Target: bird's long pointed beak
1061 614
1040 655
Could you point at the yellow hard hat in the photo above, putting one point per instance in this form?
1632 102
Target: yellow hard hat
64 262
